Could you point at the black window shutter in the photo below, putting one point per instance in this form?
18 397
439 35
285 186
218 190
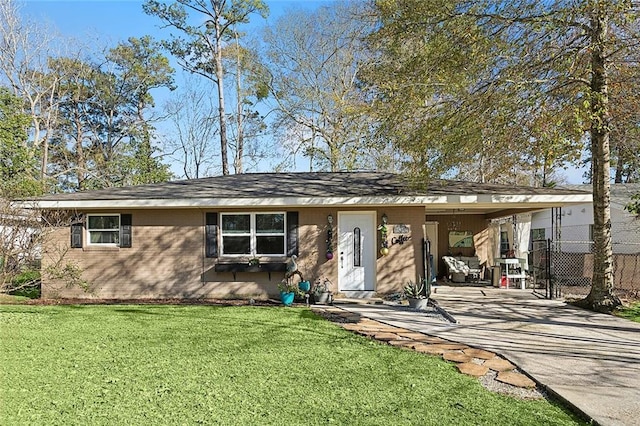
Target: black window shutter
77 229
125 230
292 233
211 234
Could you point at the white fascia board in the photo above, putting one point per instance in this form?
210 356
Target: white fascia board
232 202
541 199
450 201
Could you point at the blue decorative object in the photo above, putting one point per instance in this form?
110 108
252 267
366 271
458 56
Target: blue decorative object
304 286
287 298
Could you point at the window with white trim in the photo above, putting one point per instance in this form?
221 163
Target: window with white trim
259 234
103 229
538 234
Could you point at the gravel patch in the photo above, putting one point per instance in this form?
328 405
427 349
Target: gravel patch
430 311
489 382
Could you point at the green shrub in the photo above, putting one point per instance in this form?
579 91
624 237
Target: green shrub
26 283
26 277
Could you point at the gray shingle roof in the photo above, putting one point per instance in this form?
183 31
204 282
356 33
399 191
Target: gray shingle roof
620 192
319 184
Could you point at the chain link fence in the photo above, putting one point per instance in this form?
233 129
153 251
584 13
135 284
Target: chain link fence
564 267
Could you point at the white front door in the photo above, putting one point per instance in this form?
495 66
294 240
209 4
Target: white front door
356 251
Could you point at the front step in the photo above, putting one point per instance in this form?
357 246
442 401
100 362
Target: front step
356 294
362 297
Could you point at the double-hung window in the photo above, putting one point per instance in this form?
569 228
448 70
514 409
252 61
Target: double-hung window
259 234
103 229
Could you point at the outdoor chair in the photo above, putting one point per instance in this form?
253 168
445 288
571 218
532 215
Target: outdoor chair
457 270
475 270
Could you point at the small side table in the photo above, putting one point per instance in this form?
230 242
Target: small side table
513 271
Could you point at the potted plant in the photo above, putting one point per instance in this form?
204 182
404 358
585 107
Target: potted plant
321 291
414 293
287 291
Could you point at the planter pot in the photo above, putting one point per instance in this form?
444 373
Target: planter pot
323 298
418 303
304 286
287 298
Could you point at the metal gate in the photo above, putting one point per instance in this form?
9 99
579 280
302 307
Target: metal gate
540 269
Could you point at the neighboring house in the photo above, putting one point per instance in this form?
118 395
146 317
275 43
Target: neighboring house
573 225
19 230
571 231
202 238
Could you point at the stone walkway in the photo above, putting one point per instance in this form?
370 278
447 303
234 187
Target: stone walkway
471 361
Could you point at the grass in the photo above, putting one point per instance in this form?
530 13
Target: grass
631 312
12 299
63 365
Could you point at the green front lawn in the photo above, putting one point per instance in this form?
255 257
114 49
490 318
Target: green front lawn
631 312
228 365
11 299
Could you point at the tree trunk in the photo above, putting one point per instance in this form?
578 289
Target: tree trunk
334 158
617 152
44 163
237 164
221 109
80 161
601 297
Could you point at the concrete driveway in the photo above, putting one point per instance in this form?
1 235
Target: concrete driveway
590 360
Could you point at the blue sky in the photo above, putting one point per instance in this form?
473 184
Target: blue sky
117 20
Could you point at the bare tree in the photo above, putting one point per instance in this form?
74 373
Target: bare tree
192 141
19 247
314 60
24 232
25 48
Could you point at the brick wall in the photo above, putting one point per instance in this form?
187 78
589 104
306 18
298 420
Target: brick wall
167 257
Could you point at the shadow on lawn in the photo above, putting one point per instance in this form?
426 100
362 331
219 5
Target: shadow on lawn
308 314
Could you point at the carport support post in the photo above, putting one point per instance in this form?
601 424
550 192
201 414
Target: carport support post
426 257
548 270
